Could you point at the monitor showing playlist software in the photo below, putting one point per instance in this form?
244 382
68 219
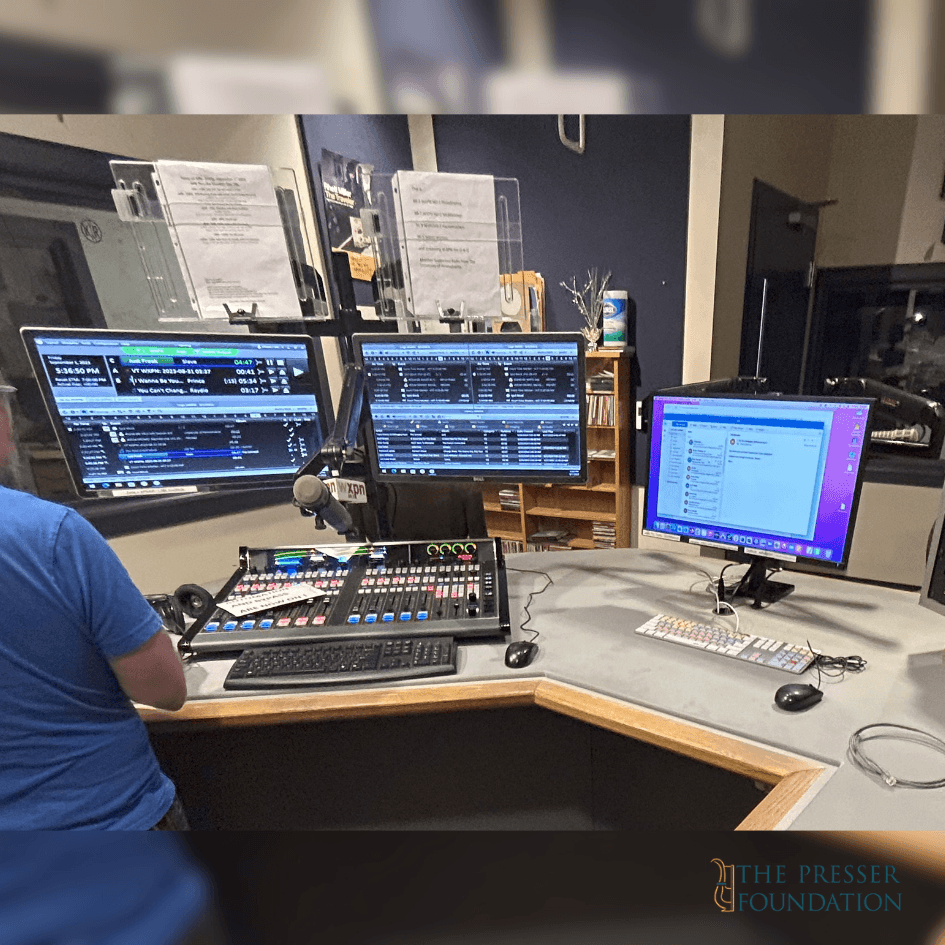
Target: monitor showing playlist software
773 476
475 406
138 412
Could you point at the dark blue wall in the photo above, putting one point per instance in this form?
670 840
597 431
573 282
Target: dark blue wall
381 140
621 206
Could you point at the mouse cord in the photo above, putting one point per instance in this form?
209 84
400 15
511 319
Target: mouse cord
836 666
843 664
859 758
528 616
816 664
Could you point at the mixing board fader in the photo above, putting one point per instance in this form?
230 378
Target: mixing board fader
423 588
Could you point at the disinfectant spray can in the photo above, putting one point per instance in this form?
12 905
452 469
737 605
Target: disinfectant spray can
615 319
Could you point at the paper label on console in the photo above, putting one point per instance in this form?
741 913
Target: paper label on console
268 600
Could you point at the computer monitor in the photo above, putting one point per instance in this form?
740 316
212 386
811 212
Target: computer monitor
774 477
471 407
141 412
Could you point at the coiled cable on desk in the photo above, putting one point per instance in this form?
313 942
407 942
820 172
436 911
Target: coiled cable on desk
868 765
842 664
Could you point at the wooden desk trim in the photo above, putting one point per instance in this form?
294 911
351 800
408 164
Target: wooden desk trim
790 777
327 706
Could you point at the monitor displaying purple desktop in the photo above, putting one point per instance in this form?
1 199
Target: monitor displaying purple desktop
772 476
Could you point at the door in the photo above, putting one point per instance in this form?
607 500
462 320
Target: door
778 280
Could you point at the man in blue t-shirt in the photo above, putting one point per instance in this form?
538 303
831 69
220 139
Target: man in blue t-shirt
78 642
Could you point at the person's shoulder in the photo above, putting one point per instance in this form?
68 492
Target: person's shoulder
31 507
24 511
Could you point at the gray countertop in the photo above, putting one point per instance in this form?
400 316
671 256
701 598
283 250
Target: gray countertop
586 620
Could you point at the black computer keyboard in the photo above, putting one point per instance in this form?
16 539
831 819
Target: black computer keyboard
346 663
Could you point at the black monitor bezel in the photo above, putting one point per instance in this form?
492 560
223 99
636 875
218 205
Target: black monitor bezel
325 413
515 338
742 552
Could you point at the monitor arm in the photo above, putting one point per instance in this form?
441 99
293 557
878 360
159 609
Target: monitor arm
341 446
342 441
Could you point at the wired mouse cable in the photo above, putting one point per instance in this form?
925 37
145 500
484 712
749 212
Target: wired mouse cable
528 615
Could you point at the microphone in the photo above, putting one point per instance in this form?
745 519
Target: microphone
313 496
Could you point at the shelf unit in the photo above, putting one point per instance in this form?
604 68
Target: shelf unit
606 496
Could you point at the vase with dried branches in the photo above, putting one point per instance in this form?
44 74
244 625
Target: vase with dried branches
590 303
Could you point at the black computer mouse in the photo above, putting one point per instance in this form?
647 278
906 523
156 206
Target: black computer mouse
520 653
796 696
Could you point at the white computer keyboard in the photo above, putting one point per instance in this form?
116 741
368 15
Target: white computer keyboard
737 645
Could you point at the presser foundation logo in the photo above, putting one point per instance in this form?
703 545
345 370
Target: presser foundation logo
725 887
813 887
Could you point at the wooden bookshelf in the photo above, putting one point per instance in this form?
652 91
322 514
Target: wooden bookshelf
604 499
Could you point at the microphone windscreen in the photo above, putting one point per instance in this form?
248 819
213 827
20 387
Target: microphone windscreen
308 490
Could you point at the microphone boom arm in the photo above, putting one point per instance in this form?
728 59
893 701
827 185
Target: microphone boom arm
343 439
342 442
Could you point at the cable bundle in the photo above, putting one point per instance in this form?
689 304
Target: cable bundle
903 732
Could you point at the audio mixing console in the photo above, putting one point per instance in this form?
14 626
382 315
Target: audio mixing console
422 588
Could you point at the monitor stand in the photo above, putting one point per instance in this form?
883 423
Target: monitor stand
756 584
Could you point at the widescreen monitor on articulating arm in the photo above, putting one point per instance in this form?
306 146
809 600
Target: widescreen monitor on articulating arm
144 413
770 478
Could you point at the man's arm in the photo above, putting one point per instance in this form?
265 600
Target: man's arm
153 674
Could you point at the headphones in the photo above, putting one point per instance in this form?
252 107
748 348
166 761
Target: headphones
189 599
